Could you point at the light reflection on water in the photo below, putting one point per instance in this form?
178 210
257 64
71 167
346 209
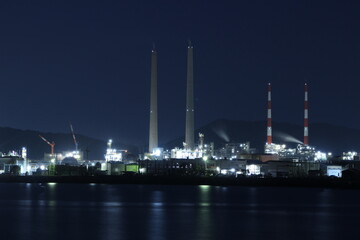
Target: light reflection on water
156 221
98 211
203 221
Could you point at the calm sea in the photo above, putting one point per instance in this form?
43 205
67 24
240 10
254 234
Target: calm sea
99 211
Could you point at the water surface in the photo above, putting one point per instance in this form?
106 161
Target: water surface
100 211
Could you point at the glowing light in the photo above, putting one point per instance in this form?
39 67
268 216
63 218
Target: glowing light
320 156
24 153
274 148
113 155
349 155
253 169
204 187
335 171
157 152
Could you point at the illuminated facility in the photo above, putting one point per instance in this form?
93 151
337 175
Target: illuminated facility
13 162
234 151
233 159
303 152
113 154
200 151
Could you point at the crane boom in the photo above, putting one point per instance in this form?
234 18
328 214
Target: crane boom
52 145
73 135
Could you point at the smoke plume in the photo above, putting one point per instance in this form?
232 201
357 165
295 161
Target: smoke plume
286 137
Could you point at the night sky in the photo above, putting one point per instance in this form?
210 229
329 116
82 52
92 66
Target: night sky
89 62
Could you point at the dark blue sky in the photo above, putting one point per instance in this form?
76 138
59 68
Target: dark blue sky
89 62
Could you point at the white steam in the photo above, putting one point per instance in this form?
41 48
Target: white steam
286 137
220 132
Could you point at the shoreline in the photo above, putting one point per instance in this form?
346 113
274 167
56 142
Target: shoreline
177 180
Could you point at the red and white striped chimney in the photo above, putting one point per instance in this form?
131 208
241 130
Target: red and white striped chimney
269 130
306 117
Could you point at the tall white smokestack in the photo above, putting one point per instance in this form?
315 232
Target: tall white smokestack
189 128
153 133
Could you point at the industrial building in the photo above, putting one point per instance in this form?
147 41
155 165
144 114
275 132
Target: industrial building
197 159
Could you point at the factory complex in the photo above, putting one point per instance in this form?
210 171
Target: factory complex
193 158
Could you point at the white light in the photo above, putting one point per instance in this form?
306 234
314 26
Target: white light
205 158
24 152
232 170
253 169
335 171
157 152
113 155
320 156
223 171
42 167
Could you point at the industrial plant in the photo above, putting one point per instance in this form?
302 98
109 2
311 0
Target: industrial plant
193 158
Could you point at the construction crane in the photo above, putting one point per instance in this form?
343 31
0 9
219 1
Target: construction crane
52 145
73 134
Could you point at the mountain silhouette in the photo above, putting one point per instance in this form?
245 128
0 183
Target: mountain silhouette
15 139
323 136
